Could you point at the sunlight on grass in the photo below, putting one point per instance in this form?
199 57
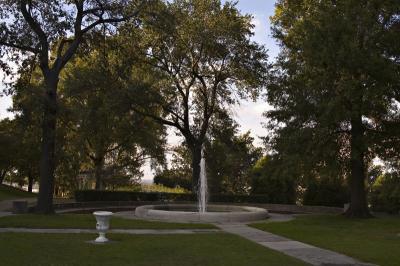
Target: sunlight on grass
371 240
139 250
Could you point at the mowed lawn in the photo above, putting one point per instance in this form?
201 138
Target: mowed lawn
87 221
374 240
9 193
217 249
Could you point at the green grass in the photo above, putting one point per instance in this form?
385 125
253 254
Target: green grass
373 240
84 221
9 193
140 250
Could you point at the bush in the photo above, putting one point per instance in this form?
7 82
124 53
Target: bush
385 194
101 195
173 179
326 192
272 182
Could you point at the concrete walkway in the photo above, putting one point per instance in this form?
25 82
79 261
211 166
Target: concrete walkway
296 249
3 214
7 205
115 231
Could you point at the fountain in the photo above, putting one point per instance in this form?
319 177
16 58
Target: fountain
203 212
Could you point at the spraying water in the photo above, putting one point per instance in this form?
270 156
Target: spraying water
202 191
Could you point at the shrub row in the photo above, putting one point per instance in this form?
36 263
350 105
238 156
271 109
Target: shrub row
102 195
326 193
385 194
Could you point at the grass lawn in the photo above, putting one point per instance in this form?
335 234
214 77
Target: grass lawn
8 193
83 221
217 249
373 240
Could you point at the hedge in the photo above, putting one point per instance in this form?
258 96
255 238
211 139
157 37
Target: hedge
385 194
103 195
326 193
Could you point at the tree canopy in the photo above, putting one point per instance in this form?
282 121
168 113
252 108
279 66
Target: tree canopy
201 55
336 87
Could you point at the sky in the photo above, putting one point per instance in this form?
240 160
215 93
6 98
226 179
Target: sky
248 114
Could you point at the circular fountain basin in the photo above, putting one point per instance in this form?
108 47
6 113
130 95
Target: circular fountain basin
189 213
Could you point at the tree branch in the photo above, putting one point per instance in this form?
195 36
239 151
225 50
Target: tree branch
44 52
20 47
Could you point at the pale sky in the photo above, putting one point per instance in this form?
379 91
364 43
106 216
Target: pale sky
248 114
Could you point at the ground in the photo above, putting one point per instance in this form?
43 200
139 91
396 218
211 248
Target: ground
374 240
87 221
141 250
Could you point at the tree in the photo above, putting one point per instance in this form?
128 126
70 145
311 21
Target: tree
201 56
35 29
7 151
336 86
230 156
272 177
115 140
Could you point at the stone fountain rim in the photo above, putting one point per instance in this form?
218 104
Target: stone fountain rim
247 215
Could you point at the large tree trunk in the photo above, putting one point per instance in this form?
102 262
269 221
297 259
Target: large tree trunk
47 160
30 181
195 150
98 173
358 201
2 176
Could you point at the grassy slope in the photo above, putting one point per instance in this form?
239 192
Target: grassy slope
191 250
8 193
84 221
372 240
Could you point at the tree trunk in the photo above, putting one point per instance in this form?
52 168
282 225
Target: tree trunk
47 159
196 158
2 176
358 201
98 173
30 182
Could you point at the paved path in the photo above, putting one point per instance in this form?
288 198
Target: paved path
116 231
3 214
7 205
299 250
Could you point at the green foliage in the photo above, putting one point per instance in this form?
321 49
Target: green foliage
335 88
230 156
385 194
115 141
196 56
162 188
172 179
326 192
269 178
102 195
97 195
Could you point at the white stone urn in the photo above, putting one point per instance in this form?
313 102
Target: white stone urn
102 225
